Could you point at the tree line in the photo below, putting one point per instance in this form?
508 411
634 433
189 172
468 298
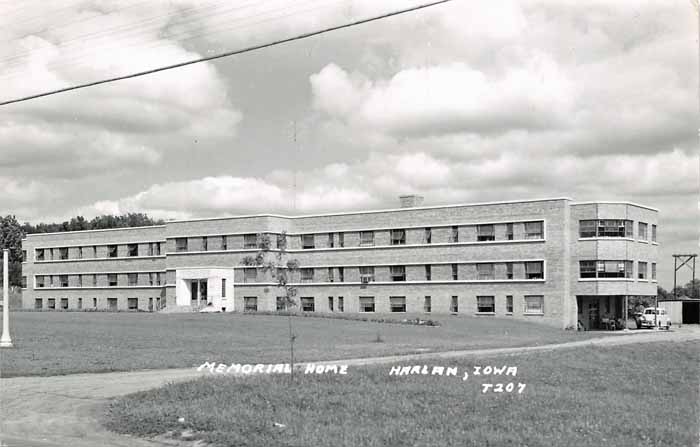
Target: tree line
12 233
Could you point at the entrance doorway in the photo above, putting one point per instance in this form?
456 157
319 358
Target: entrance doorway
198 292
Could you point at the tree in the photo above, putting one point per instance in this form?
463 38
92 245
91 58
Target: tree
281 269
11 235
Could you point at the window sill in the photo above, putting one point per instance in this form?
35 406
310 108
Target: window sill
485 313
606 238
536 314
509 313
642 241
605 279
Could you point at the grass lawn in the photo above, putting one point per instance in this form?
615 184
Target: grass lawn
50 343
576 397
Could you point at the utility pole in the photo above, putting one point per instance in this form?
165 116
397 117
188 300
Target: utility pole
684 260
5 340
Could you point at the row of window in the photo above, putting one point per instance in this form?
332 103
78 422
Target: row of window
91 304
92 252
397 273
615 228
485 304
95 279
616 269
484 233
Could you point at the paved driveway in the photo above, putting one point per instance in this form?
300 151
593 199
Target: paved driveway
64 410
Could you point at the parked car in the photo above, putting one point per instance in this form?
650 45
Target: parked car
655 317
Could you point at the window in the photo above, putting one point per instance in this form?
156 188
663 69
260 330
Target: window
341 307
133 249
39 254
53 280
398 237
150 279
113 250
614 228
250 304
330 274
63 280
24 282
534 304
112 279
331 242
366 304
24 255
250 274
80 280
63 253
427 304
150 249
224 242
366 238
281 241
40 281
587 269
642 270
250 241
38 303
53 256
509 304
330 303
64 303
509 270
485 271
428 272
455 272
307 304
112 303
533 230
454 235
587 228
94 280
94 303
80 252
653 271
307 275
398 273
223 287
133 303
205 243
454 304
52 303
428 236
485 233
509 231
485 304
366 274
281 303
533 270
132 278
642 231
341 274
614 269
341 240
158 278
307 241
397 303
653 233
94 251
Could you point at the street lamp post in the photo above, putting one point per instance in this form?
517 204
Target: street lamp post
5 340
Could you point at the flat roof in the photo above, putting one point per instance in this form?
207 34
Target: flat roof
387 210
614 202
93 231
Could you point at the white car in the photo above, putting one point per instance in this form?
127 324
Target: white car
655 317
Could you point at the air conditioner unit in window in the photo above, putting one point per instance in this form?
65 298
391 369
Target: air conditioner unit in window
364 280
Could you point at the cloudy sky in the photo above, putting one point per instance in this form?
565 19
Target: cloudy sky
461 102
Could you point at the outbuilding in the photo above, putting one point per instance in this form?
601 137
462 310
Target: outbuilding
683 310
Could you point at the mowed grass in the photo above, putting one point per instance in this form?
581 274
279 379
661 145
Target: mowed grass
51 343
576 397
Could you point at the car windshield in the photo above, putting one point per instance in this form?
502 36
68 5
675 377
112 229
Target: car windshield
649 312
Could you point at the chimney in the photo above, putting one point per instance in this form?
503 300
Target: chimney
411 200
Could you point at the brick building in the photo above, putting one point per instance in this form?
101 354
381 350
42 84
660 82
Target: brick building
548 260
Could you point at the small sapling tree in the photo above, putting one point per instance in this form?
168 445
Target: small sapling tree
277 264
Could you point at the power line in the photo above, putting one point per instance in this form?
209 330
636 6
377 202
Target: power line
226 54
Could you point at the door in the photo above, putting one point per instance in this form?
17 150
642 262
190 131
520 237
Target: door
194 289
203 291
